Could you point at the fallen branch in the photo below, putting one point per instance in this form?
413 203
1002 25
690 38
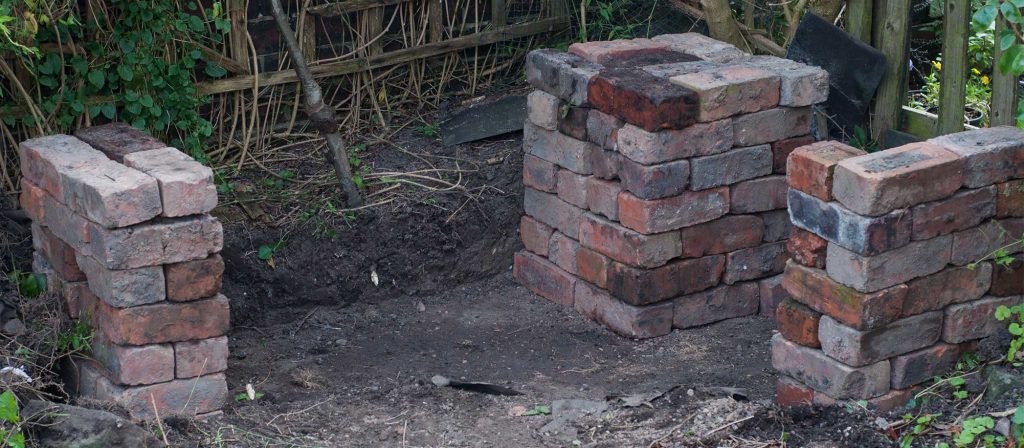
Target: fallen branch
754 36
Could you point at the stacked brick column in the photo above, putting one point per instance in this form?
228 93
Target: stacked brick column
890 280
654 186
122 230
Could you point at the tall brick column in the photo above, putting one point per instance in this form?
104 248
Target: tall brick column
122 231
889 279
654 173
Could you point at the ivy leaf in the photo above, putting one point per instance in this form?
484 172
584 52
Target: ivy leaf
985 15
8 407
215 71
125 73
96 78
109 110
265 252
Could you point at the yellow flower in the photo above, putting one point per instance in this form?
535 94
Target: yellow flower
937 65
975 71
984 80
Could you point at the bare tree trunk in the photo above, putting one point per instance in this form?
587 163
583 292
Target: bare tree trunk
320 114
722 24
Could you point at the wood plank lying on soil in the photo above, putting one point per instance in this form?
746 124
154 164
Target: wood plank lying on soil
485 120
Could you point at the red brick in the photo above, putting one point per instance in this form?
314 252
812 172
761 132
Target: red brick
543 109
124 287
536 235
543 278
602 129
627 246
810 169
562 252
110 194
725 234
798 323
771 294
1009 199
823 374
60 255
860 348
676 212
990 155
118 139
558 148
702 46
77 296
43 159
644 286
976 319
132 365
178 397
193 280
755 262
814 288
592 266
1006 280
606 164
197 358
782 148
758 195
732 90
186 186
777 225
865 235
33 200
771 125
561 74
540 174
572 121
801 84
604 52
892 400
951 285
642 99
554 212
713 305
69 226
165 241
730 167
603 197
655 181
963 210
701 139
163 322
626 320
884 181
978 243
922 365
790 392
891 268
572 188
807 248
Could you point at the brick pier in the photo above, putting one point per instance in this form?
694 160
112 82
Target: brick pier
122 231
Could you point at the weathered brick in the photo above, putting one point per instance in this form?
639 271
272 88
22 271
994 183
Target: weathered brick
730 167
602 129
197 358
673 69
558 148
535 235
884 181
69 226
756 262
604 52
543 278
626 320
810 169
892 400
991 155
701 139
186 186
731 90
814 288
642 99
798 323
924 364
975 244
540 174
771 294
169 240
771 125
132 365
603 197
702 46
77 297
561 74
713 305
859 348
950 285
783 148
562 252
861 234
592 266
1010 199
117 140
872 273
790 392
111 194
976 319
662 215
33 200
725 234
163 322
801 84
178 397
193 280
758 195
554 212
572 188
1006 280
626 246
964 209
59 254
44 158
655 181
606 164
807 248
777 226
124 287
823 374
638 286
572 121
543 109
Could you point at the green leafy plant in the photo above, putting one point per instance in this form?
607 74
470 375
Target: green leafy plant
278 180
29 284
976 430
860 139
76 340
429 129
10 433
537 410
921 424
1015 315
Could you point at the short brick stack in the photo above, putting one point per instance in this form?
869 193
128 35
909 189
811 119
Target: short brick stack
654 179
888 283
122 230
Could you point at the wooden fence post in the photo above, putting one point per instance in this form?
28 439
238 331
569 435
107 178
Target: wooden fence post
893 34
953 86
1003 111
858 19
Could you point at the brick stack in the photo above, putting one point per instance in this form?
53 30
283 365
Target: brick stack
889 279
122 231
654 179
